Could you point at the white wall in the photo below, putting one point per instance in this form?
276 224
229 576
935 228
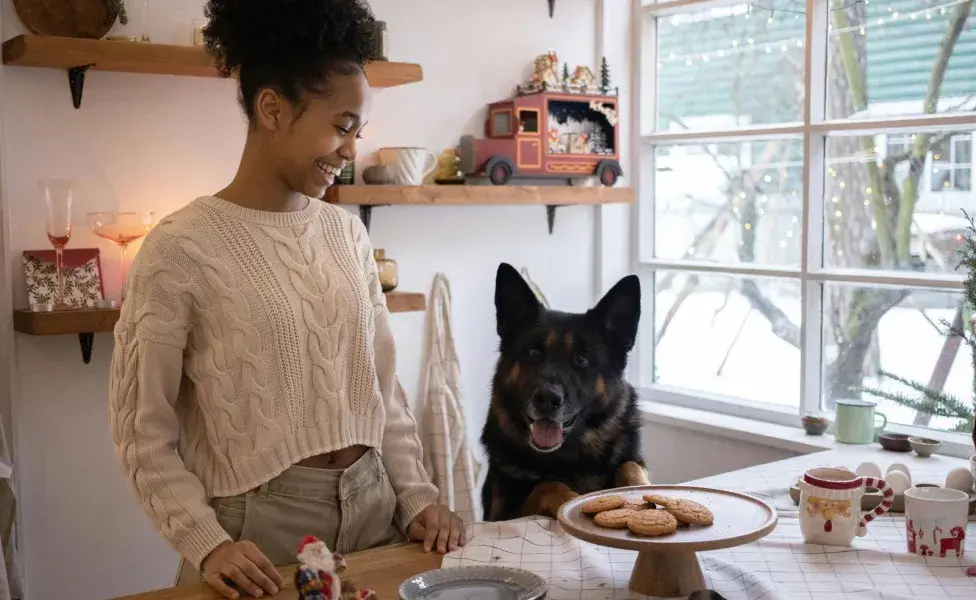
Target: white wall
675 455
77 511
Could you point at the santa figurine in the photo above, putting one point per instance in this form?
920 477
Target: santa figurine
317 577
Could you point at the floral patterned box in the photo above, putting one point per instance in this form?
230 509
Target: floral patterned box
82 277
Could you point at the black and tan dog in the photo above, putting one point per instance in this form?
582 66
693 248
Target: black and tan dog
563 421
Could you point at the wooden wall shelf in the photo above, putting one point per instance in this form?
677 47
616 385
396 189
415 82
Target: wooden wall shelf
79 55
87 322
369 196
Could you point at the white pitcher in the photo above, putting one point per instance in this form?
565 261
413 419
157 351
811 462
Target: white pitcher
410 165
830 505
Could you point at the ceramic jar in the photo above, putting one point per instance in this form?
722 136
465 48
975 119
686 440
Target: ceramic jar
387 269
830 505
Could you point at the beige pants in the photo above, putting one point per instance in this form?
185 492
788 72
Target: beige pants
350 510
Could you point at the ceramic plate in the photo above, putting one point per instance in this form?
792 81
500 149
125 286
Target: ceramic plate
474 583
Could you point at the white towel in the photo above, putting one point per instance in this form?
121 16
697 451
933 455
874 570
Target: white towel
447 453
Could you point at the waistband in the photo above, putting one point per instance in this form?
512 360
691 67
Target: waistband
307 482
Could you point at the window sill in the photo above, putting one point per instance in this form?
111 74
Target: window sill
790 439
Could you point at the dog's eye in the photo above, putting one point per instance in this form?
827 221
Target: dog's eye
535 353
582 361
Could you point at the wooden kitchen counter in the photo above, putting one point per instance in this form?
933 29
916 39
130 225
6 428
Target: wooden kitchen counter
381 569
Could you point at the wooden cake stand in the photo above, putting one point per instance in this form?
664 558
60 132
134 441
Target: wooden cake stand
668 565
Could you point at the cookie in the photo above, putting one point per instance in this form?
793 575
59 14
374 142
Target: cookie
689 511
657 499
636 504
598 505
614 519
652 523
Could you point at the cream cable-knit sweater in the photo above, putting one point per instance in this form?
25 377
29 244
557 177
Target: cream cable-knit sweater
248 341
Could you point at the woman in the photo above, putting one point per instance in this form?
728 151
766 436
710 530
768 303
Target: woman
254 393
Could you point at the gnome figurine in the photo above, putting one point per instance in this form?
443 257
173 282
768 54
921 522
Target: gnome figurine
317 577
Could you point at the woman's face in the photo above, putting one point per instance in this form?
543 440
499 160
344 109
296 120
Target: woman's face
312 146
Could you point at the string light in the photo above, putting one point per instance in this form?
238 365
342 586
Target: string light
784 44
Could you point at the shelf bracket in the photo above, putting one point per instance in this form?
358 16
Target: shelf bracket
551 216
366 215
76 81
87 340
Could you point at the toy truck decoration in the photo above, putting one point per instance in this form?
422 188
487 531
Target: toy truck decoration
563 128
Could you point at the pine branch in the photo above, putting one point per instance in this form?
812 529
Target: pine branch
936 402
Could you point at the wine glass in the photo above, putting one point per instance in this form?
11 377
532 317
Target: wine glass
121 228
58 194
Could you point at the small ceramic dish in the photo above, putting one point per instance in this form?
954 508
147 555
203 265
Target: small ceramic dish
814 425
924 447
895 442
475 583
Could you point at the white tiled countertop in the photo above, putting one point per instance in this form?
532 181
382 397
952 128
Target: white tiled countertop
778 567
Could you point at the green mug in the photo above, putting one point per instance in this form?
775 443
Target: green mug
855 422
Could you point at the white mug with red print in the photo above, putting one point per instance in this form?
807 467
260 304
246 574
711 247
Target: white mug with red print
935 521
830 505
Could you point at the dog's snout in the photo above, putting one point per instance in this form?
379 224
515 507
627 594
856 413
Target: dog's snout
548 398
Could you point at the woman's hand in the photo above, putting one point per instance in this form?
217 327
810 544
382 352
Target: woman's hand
437 526
245 565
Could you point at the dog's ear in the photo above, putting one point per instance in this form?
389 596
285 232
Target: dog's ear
516 305
617 314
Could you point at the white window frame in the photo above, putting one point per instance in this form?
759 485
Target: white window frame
812 273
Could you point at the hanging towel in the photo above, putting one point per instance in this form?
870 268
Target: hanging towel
535 288
447 453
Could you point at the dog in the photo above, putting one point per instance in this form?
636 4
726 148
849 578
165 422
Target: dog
563 421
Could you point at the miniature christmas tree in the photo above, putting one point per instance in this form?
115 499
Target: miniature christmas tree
936 402
604 76
565 74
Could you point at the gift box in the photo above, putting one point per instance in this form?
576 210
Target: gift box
82 269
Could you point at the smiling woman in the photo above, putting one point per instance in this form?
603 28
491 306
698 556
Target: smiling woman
254 394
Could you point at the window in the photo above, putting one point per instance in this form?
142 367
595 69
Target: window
501 122
952 163
801 193
529 121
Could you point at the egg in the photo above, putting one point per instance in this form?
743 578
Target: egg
899 467
868 469
960 479
898 482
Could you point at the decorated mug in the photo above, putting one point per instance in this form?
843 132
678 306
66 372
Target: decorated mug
830 505
935 521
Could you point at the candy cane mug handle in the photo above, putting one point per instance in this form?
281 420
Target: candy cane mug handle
888 496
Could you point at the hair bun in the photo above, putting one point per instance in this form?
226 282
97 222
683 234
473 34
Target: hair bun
240 32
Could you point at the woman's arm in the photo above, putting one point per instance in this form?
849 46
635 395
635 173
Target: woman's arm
402 451
147 366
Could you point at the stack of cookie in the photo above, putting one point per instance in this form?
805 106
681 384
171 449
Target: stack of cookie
654 515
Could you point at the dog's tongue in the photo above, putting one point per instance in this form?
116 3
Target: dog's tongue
546 433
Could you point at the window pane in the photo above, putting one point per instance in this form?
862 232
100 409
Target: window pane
731 66
729 202
728 335
875 336
881 213
874 71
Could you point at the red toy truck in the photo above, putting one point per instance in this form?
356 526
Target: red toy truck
545 133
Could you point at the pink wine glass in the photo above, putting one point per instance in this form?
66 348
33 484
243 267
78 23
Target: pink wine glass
121 228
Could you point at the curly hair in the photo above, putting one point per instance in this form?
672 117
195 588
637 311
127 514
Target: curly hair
291 46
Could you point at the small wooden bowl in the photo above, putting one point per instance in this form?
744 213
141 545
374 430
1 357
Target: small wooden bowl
895 442
814 425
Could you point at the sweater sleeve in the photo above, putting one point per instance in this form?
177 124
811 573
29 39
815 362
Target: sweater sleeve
401 448
146 371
